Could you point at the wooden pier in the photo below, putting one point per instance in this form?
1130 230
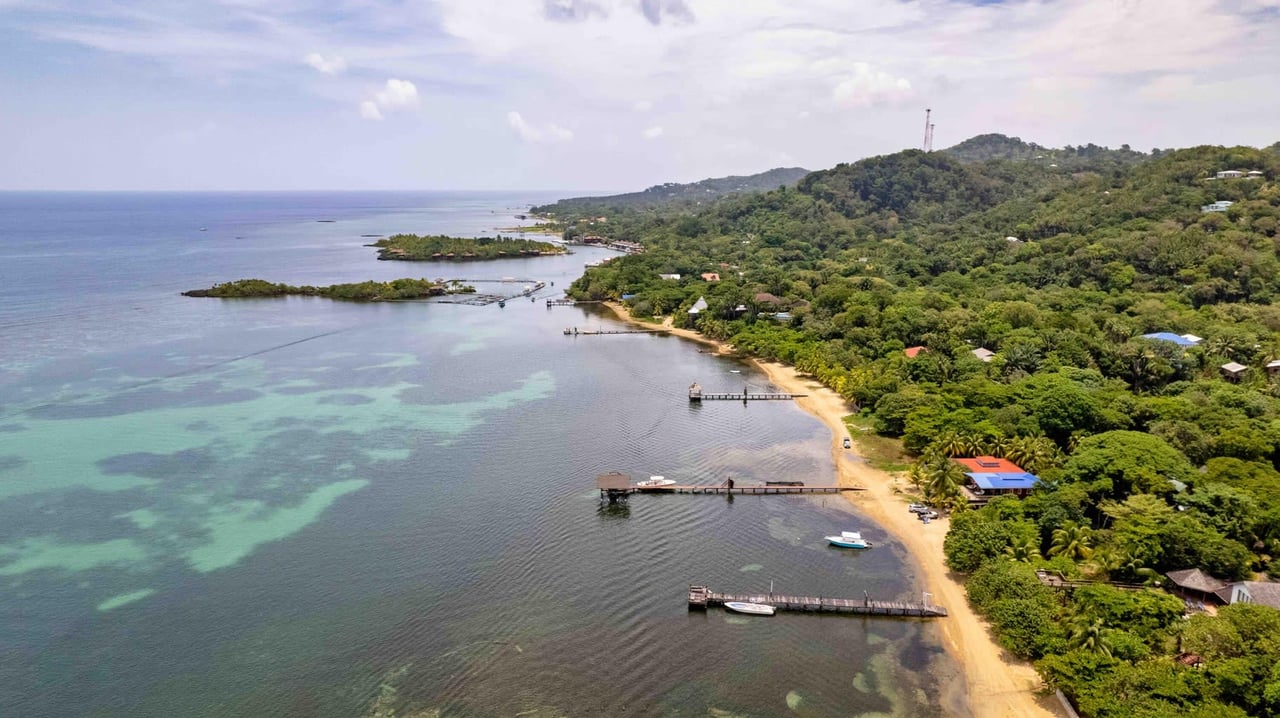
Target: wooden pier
697 394
566 302
616 486
575 332
701 597
740 490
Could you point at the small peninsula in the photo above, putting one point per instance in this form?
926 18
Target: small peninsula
394 290
415 248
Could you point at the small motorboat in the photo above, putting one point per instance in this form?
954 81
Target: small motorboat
754 609
653 481
849 539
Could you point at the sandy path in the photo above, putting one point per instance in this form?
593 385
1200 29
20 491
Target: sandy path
998 685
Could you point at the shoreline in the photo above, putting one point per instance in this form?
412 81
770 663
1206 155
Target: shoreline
997 685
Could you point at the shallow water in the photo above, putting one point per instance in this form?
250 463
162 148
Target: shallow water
301 507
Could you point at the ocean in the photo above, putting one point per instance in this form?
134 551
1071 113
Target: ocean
299 507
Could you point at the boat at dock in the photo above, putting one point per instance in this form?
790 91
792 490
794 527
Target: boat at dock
653 481
754 609
849 539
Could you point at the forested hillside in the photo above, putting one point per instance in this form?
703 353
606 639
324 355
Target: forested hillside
673 193
1152 458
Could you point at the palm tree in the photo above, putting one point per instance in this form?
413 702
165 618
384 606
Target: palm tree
942 480
972 444
998 446
1023 548
1091 634
950 444
1072 540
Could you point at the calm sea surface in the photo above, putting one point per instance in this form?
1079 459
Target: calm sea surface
297 507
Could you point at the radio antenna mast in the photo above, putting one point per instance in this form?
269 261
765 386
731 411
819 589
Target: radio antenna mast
925 145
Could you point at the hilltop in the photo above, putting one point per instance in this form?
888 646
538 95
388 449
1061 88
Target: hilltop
1002 147
672 193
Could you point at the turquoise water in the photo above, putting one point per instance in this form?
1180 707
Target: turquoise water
300 507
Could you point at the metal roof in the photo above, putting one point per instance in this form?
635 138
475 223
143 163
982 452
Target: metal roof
1170 337
1196 580
989 481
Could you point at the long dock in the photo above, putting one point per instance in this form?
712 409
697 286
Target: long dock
570 302
749 490
744 396
701 597
575 332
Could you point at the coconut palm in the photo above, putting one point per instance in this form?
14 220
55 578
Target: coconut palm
942 480
1023 548
950 444
1091 635
1073 541
998 446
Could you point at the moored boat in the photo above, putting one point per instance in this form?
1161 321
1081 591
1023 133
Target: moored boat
849 539
754 609
653 481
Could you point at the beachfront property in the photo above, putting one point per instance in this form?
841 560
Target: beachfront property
991 476
1199 585
1182 340
698 307
1221 205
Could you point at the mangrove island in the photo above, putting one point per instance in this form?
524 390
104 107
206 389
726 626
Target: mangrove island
394 290
415 248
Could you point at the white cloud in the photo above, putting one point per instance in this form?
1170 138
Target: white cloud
652 133
864 86
395 95
528 132
645 105
327 65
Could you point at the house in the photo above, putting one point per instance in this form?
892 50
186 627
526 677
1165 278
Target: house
984 354
1254 174
1197 584
1201 586
1233 372
698 307
673 277
1221 205
782 317
997 476
1263 593
1230 174
1182 340
593 239
710 277
913 352
767 299
1273 367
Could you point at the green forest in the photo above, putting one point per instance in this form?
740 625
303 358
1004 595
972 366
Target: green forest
394 290
1024 279
416 248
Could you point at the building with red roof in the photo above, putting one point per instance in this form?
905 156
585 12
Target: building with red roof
998 476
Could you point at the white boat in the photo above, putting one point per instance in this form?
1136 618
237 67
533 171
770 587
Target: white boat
755 609
656 481
849 539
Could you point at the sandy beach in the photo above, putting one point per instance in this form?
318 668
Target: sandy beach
998 685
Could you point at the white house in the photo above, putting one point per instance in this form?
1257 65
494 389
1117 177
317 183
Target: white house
698 306
1230 174
1221 205
984 354
1254 174
675 277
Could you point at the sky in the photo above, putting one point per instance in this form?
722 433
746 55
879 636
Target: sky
599 94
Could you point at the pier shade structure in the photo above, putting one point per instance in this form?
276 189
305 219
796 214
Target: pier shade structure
701 597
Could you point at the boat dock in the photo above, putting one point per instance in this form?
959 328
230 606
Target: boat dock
566 302
701 597
575 332
697 394
616 486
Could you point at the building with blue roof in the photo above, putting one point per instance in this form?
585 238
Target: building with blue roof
1182 340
